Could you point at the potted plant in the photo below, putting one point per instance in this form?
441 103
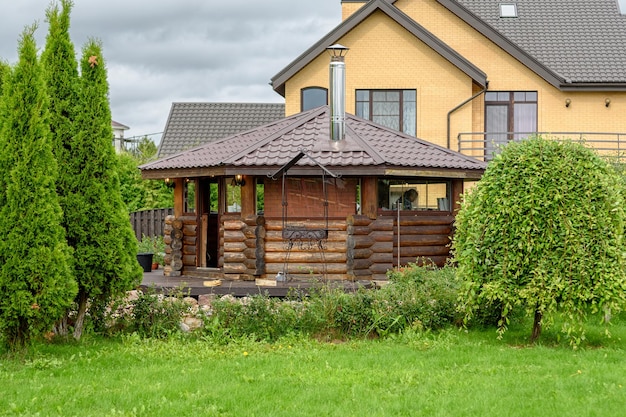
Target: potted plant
151 251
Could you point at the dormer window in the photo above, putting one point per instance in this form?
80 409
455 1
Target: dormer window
508 10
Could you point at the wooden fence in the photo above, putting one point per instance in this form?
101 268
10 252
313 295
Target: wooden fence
149 222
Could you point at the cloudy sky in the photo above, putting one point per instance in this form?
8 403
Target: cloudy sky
159 52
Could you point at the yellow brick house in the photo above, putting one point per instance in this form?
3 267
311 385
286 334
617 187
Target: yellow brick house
472 74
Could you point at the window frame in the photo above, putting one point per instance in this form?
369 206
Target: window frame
510 105
401 103
305 90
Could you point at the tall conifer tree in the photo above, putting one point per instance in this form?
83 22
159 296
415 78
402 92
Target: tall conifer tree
96 217
61 75
36 285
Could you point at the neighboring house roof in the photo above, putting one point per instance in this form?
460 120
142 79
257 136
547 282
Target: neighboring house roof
193 124
279 80
368 149
572 44
580 43
119 126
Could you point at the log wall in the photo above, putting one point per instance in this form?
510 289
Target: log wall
359 248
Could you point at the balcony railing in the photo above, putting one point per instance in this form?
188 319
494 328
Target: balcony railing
483 145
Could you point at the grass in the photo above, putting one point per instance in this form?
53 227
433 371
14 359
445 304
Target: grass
446 373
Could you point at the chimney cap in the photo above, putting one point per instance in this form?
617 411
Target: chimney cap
337 50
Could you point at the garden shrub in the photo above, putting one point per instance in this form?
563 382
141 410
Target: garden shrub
543 229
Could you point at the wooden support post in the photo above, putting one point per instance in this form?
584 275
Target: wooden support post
248 196
179 196
369 197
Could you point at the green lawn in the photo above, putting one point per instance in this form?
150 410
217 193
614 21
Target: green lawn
449 373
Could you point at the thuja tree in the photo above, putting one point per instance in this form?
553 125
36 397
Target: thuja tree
36 285
98 229
61 75
543 229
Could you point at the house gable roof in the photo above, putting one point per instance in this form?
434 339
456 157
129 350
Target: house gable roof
279 80
368 148
572 44
193 124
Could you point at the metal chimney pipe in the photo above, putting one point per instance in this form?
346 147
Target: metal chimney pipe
337 92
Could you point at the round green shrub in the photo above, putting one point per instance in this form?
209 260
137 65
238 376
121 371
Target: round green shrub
543 229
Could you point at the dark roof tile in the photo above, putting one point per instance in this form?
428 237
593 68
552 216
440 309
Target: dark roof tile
275 144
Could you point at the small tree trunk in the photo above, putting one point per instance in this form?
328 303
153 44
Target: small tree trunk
80 318
61 327
536 326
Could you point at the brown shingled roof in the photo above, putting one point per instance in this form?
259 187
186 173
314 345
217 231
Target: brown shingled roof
368 149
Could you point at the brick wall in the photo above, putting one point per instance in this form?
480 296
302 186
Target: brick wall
305 197
384 55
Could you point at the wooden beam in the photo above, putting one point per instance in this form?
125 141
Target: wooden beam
369 197
248 196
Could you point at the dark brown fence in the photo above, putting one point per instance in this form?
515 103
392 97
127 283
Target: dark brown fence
149 222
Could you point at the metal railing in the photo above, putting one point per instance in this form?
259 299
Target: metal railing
484 145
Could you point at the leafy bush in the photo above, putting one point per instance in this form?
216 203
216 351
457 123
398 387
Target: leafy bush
544 230
156 316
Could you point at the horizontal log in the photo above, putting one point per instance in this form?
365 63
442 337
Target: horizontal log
250 243
437 260
167 259
249 232
189 240
233 225
234 247
362 253
250 253
361 273
177 224
190 229
234 257
306 257
176 244
250 264
382 247
382 257
426 230
358 220
339 225
169 219
304 269
381 268
233 236
424 240
418 251
329 247
361 242
382 224
189 260
260 232
167 239
176 234
192 219
359 230
176 254
426 220
235 268
189 250
254 220
333 236
361 264
382 236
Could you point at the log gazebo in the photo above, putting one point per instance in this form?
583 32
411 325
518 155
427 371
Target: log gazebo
370 201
